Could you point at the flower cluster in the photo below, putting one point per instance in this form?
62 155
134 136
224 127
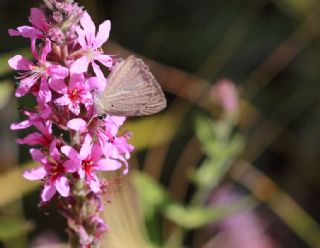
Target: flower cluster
71 143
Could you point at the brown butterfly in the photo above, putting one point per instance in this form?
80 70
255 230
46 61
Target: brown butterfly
131 90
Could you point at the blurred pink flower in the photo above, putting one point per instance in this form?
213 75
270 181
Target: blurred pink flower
243 227
225 93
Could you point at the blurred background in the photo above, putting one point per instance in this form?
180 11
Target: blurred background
234 159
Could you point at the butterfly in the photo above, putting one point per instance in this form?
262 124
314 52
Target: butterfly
131 90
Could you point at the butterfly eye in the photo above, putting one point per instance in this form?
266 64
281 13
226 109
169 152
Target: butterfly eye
102 116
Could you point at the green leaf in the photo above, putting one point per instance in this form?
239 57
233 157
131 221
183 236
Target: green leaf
151 193
196 216
13 227
218 162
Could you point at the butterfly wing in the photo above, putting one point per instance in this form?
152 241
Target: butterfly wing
132 90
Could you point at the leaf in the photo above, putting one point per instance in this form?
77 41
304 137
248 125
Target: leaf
220 147
196 216
11 227
153 196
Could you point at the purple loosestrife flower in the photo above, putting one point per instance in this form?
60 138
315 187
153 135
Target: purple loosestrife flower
36 31
91 45
31 73
83 146
77 92
52 171
89 160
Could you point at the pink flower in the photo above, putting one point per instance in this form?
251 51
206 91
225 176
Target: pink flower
89 160
34 118
91 45
31 73
43 138
52 170
112 146
225 93
37 31
77 92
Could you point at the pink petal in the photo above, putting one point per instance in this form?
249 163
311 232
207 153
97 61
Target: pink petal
35 173
45 51
21 125
54 153
20 63
77 124
98 73
38 19
58 71
26 32
82 38
72 165
58 85
32 139
44 127
86 98
94 183
96 84
113 123
122 145
103 34
80 65
126 170
104 59
62 186
64 100
24 86
37 155
44 94
74 108
86 147
81 173
89 28
108 165
96 153
76 80
48 192
70 152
